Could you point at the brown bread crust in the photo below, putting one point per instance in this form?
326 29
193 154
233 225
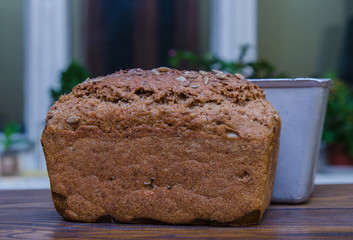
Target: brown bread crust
169 146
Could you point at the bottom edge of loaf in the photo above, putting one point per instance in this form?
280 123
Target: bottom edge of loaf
250 218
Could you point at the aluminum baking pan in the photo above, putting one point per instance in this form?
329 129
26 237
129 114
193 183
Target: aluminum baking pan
301 103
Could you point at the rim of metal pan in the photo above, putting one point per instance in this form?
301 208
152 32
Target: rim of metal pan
292 82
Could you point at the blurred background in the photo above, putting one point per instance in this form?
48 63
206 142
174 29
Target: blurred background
48 46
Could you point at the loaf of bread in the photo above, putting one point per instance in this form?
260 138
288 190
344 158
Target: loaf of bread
162 146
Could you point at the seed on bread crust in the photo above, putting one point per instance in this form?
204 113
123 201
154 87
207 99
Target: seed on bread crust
72 120
181 79
186 84
203 73
221 76
205 79
155 71
239 76
232 135
276 117
191 75
163 69
217 71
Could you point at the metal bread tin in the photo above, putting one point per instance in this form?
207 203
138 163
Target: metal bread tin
301 103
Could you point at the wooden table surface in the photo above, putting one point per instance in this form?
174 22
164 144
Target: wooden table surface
328 214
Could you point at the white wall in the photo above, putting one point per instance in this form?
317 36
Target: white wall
233 25
47 44
301 38
11 61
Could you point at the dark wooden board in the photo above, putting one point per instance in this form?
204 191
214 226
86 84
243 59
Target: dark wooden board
30 214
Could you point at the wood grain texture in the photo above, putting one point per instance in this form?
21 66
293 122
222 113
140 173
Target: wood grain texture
30 214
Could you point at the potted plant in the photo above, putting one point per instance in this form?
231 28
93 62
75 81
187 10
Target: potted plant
12 144
338 128
8 157
72 76
207 62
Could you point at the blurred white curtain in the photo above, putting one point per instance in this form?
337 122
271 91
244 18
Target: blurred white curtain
233 24
46 55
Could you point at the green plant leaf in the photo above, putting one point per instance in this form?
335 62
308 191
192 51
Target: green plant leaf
259 69
72 76
338 127
9 130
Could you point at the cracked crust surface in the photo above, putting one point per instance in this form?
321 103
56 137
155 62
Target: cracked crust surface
143 145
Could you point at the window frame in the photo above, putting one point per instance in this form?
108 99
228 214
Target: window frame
47 53
233 24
